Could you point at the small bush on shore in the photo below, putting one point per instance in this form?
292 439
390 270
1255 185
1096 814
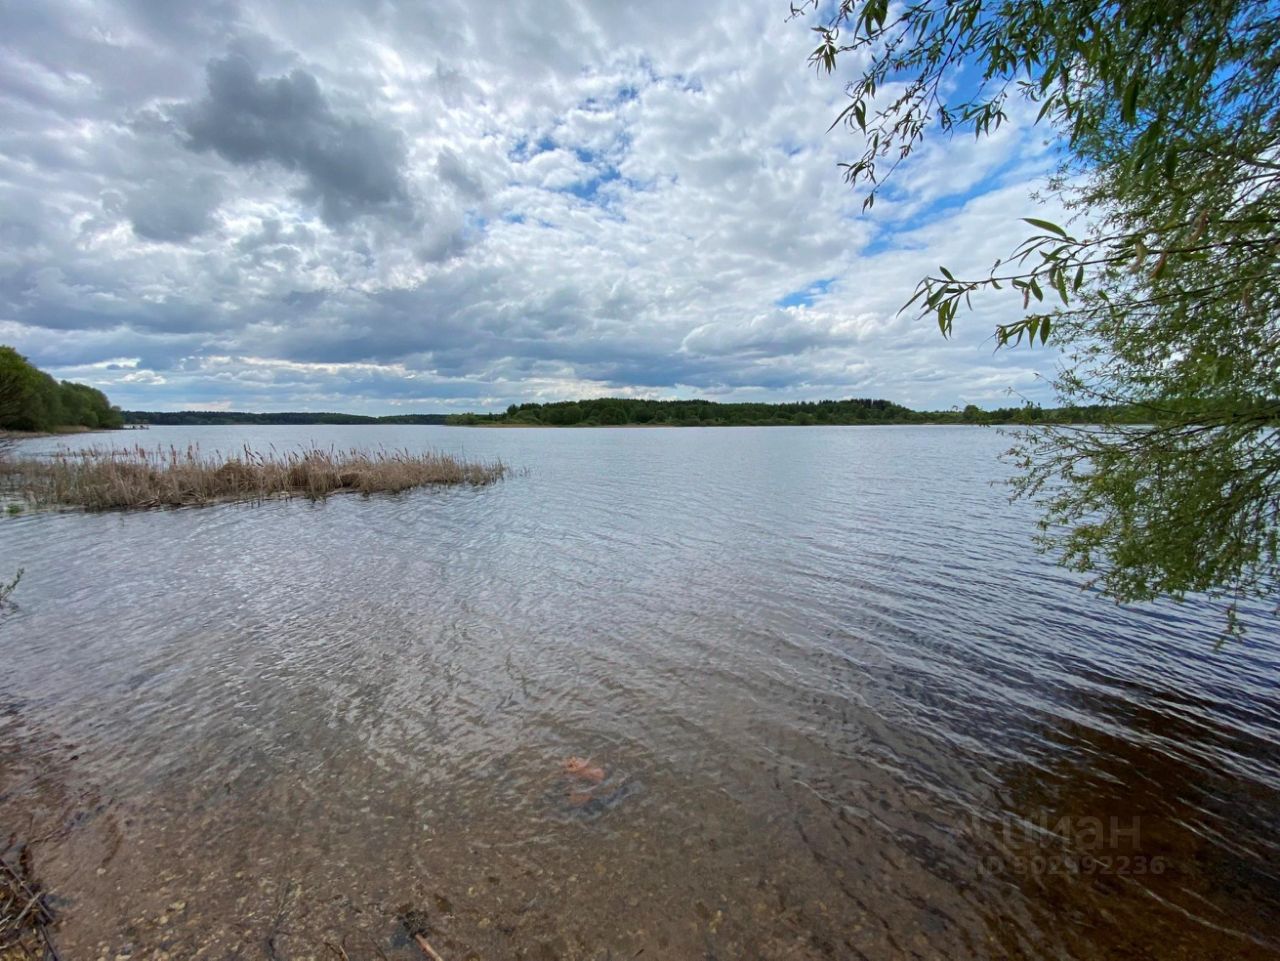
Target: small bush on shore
102 478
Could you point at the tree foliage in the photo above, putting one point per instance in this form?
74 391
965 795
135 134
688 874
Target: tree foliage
31 400
627 411
1161 292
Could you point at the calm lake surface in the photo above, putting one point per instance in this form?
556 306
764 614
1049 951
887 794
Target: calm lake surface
843 709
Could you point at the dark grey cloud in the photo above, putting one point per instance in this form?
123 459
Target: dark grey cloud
165 211
440 246
453 171
352 165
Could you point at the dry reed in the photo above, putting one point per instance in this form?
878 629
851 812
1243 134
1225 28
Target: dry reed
101 478
25 915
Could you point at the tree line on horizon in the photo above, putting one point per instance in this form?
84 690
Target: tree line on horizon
210 418
31 400
623 411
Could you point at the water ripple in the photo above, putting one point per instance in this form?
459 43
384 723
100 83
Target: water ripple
840 706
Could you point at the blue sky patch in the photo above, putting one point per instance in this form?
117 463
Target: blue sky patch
806 296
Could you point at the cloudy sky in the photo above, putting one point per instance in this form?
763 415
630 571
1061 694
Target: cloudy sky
382 206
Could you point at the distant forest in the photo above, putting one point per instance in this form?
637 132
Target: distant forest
623 412
213 417
31 400
619 412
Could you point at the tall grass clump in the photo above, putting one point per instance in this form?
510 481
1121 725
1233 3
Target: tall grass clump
104 478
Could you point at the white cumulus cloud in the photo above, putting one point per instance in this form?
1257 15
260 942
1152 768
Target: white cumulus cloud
392 206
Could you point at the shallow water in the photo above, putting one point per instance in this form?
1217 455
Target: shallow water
842 710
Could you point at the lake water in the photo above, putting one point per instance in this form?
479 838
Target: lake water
842 708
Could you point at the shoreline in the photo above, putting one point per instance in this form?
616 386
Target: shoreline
930 423
16 435
59 432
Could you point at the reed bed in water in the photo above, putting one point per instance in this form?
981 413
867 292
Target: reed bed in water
102 478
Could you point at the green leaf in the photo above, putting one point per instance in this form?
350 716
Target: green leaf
1060 284
1047 225
1129 105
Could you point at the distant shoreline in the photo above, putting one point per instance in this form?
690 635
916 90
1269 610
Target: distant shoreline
887 423
629 412
32 434
523 425
850 412
238 418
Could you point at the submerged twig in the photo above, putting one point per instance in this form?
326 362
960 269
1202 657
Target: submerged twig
25 916
416 926
425 945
